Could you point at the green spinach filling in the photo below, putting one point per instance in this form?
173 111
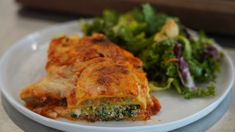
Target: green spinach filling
107 112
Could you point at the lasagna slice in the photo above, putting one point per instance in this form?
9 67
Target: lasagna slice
91 79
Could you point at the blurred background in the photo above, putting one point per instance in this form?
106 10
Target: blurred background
215 17
19 18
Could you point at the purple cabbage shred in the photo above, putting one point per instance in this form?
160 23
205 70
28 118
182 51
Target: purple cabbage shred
183 68
212 52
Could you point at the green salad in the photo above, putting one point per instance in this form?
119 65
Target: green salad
173 56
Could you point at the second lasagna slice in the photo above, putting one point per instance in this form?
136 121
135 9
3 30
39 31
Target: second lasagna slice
111 91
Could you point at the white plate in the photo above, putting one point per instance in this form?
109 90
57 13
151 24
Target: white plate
24 63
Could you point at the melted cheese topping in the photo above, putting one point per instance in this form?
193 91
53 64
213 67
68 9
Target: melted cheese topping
90 68
108 79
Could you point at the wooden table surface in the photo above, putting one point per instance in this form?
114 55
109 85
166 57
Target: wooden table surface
16 23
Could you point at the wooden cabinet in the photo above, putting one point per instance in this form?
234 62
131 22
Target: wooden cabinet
216 16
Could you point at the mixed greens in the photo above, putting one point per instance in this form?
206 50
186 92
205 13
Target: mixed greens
173 56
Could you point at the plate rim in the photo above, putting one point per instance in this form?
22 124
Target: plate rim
65 125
